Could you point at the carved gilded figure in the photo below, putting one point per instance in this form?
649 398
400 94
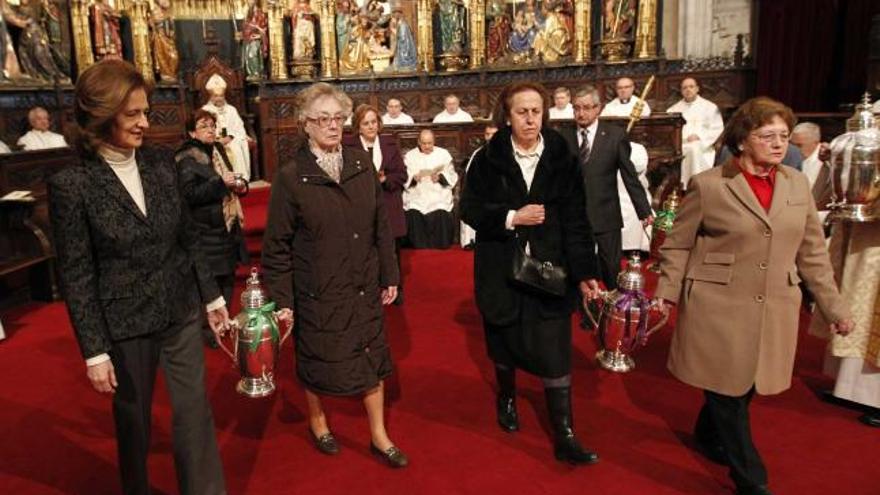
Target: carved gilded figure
51 19
8 59
498 37
553 41
166 59
37 57
106 40
522 37
344 21
618 18
302 20
452 15
255 41
403 43
356 56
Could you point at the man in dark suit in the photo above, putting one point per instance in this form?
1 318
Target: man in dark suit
603 150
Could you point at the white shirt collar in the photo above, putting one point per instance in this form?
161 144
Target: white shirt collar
536 153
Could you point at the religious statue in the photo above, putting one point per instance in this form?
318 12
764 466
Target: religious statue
255 41
343 26
51 20
453 26
302 24
553 41
356 56
166 59
403 43
618 18
522 37
8 59
497 38
38 58
106 40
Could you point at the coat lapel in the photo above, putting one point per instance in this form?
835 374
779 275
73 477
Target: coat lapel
107 182
598 140
151 186
738 185
781 193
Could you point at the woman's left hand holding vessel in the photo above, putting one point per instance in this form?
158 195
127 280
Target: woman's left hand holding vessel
843 327
389 294
218 320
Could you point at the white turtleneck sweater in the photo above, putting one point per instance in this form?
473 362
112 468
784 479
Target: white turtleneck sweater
124 165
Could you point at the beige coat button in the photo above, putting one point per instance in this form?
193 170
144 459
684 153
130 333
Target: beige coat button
759 298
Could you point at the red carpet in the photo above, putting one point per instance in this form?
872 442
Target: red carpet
57 434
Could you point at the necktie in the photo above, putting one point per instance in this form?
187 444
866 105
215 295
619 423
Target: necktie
584 150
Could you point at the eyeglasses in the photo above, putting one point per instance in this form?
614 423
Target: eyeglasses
324 120
585 108
770 137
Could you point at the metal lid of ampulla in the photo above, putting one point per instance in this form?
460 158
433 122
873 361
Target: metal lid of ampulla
253 295
632 279
863 118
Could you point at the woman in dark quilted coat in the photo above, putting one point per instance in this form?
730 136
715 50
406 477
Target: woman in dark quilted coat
328 255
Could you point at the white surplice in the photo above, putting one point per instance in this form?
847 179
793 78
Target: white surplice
426 195
702 119
239 153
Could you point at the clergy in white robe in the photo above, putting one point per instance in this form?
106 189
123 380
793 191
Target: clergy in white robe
452 112
633 235
394 114
703 125
4 148
428 197
40 137
561 108
623 105
229 124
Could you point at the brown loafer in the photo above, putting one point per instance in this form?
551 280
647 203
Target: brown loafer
326 443
394 457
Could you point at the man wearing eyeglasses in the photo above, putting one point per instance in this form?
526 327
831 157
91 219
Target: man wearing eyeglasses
603 151
622 106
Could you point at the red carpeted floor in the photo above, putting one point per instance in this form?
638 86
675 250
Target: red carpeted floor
57 434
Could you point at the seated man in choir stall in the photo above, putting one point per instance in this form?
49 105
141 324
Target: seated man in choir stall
561 109
428 198
40 137
807 136
452 112
230 127
622 106
4 149
703 125
394 114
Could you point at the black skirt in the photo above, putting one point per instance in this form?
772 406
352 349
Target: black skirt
436 230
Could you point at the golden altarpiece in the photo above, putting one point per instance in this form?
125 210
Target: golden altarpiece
415 50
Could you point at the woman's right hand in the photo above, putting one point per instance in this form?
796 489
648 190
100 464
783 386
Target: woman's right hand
285 315
103 377
228 179
662 305
529 215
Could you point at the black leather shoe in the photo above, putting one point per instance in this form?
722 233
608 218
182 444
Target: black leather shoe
326 443
568 449
508 420
754 490
394 457
712 451
565 445
870 419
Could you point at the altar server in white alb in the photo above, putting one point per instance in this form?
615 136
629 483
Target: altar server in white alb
230 127
428 199
623 105
395 115
40 137
452 112
633 235
703 125
562 108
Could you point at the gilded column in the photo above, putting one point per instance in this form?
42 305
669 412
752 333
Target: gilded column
277 50
138 10
82 36
477 36
582 31
425 35
329 65
646 33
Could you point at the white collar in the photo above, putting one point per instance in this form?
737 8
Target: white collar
539 149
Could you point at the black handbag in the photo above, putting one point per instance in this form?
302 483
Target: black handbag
541 277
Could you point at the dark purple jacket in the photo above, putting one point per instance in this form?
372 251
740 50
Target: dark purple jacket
395 178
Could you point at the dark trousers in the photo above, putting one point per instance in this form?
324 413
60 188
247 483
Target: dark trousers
610 245
397 242
724 421
178 350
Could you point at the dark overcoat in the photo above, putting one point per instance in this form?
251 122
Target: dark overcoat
395 179
124 274
494 187
204 191
327 252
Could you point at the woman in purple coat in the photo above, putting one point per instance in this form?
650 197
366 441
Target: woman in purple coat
389 166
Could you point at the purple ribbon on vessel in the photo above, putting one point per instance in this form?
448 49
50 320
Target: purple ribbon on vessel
628 300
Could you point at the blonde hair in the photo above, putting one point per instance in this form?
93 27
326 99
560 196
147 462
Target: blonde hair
101 93
319 90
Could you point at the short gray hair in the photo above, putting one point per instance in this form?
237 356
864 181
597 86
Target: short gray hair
808 129
588 90
306 97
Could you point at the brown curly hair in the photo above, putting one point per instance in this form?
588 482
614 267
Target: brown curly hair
101 92
754 113
360 112
502 108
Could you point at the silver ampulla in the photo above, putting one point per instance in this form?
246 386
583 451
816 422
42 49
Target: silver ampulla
855 168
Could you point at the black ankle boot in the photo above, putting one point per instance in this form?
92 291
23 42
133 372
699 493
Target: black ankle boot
505 405
565 445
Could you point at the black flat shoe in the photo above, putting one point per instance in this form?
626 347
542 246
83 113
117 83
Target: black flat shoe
508 420
326 443
569 450
394 457
870 419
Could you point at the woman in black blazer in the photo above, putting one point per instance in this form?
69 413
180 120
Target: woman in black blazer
133 278
524 188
